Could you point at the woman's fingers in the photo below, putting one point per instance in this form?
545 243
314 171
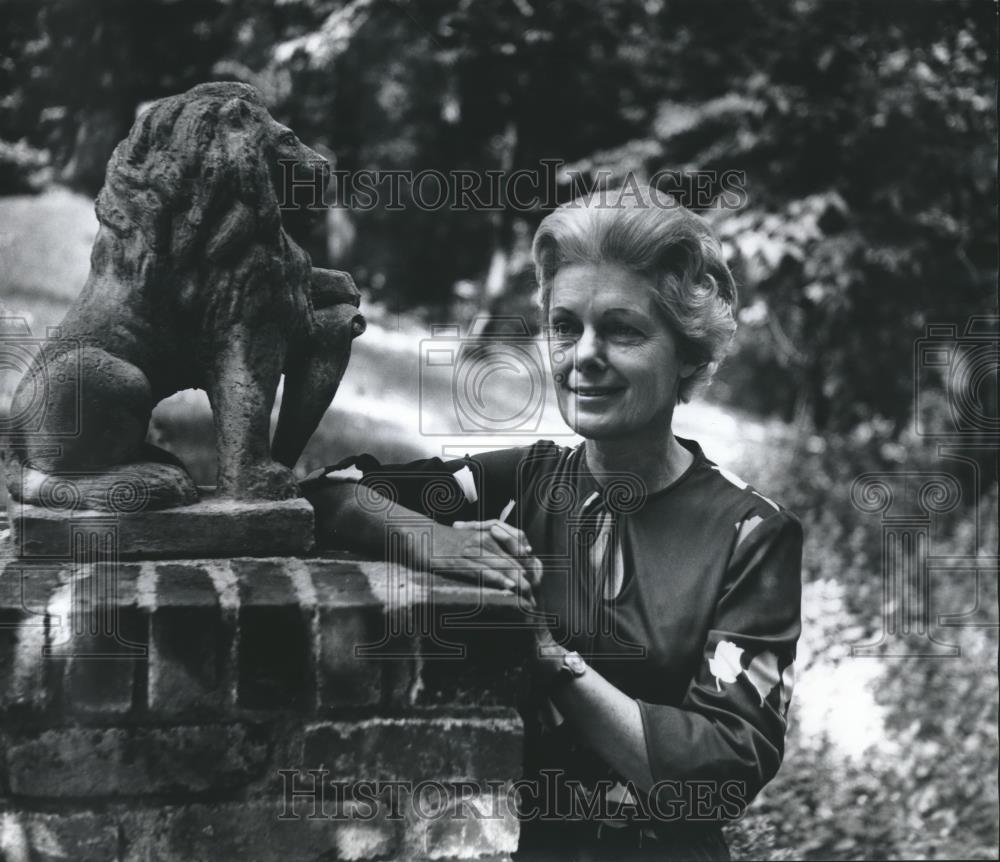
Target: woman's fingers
498 579
499 552
533 571
525 569
501 570
499 573
510 538
507 573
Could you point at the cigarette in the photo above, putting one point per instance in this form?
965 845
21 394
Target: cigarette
505 512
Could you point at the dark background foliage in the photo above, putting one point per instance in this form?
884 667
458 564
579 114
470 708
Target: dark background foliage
866 132
864 137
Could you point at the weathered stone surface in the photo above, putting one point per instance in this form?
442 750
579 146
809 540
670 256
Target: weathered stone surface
487 673
98 763
416 748
44 837
210 528
460 822
253 670
196 639
277 638
350 618
191 644
253 832
193 284
107 675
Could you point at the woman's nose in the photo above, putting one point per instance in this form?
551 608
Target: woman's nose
589 347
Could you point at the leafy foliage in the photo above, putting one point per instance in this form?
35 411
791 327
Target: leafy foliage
865 134
886 758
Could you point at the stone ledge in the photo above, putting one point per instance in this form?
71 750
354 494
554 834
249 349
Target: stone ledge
217 528
78 762
444 748
250 760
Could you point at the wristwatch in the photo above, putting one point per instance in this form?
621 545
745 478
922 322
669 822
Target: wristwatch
572 667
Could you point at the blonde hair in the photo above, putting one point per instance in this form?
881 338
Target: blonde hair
650 233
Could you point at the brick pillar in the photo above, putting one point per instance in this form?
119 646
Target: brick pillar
247 724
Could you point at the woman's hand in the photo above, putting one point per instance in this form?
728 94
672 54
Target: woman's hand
547 654
499 552
511 539
492 550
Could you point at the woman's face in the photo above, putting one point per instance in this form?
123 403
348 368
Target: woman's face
614 359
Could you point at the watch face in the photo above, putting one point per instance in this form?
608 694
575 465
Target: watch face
574 663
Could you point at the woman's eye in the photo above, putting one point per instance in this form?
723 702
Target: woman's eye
623 330
562 329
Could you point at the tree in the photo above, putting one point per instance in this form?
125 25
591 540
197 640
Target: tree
867 136
864 135
78 69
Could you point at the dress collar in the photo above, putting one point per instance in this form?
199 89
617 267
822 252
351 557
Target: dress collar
624 493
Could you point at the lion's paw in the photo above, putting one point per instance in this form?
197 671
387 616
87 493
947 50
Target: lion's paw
270 481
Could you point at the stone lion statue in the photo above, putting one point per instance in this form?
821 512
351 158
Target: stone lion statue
194 283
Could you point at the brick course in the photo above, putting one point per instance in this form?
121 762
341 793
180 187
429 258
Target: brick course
147 708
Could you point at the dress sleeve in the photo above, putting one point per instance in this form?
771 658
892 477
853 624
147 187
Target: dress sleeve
730 725
461 489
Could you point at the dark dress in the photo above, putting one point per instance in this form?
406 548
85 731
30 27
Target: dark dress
687 599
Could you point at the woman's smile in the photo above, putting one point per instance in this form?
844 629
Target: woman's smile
588 391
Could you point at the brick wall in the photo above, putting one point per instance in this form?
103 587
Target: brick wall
254 709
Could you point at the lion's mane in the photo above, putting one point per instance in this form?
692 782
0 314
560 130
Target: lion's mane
193 217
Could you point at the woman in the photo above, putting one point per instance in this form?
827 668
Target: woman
664 672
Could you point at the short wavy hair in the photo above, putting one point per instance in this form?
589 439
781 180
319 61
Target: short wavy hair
649 232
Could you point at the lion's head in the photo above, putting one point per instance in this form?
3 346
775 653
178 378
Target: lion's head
194 194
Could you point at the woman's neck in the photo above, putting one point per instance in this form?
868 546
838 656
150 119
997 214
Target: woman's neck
657 462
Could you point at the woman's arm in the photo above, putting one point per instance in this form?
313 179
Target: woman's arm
346 518
606 719
730 725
